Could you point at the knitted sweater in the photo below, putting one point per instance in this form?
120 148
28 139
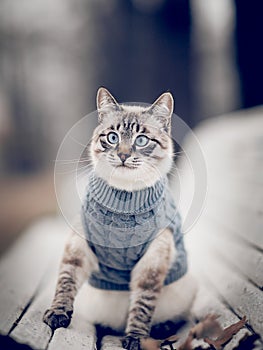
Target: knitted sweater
120 225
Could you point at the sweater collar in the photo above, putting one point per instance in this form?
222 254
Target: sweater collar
125 202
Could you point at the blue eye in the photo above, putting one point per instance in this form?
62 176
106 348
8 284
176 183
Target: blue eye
113 138
141 141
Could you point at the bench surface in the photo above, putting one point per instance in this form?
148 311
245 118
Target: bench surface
225 248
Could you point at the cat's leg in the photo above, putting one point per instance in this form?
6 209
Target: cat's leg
182 294
170 316
146 285
77 263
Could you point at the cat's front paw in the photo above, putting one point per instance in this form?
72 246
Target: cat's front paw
131 343
56 318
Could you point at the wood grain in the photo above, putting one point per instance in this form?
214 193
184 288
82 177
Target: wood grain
80 335
23 267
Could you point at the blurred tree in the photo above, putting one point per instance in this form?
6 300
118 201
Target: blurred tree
249 51
144 50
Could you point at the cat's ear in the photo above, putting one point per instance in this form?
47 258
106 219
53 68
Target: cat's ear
162 109
105 103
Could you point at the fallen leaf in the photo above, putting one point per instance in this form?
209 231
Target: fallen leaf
187 345
227 334
150 344
206 329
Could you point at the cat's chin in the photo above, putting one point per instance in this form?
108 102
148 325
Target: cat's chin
128 179
129 184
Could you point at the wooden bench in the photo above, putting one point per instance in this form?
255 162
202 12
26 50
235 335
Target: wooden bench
225 249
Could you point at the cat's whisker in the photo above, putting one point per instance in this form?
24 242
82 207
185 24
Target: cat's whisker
174 174
178 152
85 167
67 172
77 163
139 161
178 156
88 163
82 176
76 160
149 168
76 169
175 168
66 160
78 142
129 247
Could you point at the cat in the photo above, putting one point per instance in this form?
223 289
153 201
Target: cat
130 249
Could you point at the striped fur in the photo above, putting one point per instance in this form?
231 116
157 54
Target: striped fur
144 165
127 166
77 263
147 283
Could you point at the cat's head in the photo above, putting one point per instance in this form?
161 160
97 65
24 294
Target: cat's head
131 147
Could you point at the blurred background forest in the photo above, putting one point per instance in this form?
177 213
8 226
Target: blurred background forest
55 54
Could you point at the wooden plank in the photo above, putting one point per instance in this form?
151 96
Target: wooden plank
234 203
80 335
244 298
236 252
111 343
233 174
114 342
23 267
244 195
243 222
224 133
205 303
246 171
234 157
31 330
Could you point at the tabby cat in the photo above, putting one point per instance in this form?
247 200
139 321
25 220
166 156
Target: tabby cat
131 249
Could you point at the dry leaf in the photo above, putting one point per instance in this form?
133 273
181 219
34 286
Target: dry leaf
150 344
187 345
154 344
227 334
206 329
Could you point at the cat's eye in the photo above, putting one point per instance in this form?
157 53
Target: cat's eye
141 141
113 138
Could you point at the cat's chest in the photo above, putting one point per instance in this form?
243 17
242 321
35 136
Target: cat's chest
121 259
116 230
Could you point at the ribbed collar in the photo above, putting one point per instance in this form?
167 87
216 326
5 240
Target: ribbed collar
121 201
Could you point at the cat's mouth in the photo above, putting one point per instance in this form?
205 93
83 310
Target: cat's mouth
123 166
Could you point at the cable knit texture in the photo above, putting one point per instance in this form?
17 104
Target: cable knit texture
120 225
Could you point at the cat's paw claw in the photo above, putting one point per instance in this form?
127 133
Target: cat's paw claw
131 343
57 318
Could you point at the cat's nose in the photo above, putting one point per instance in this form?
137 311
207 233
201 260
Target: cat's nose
123 156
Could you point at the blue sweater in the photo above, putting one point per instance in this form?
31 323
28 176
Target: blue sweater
120 225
